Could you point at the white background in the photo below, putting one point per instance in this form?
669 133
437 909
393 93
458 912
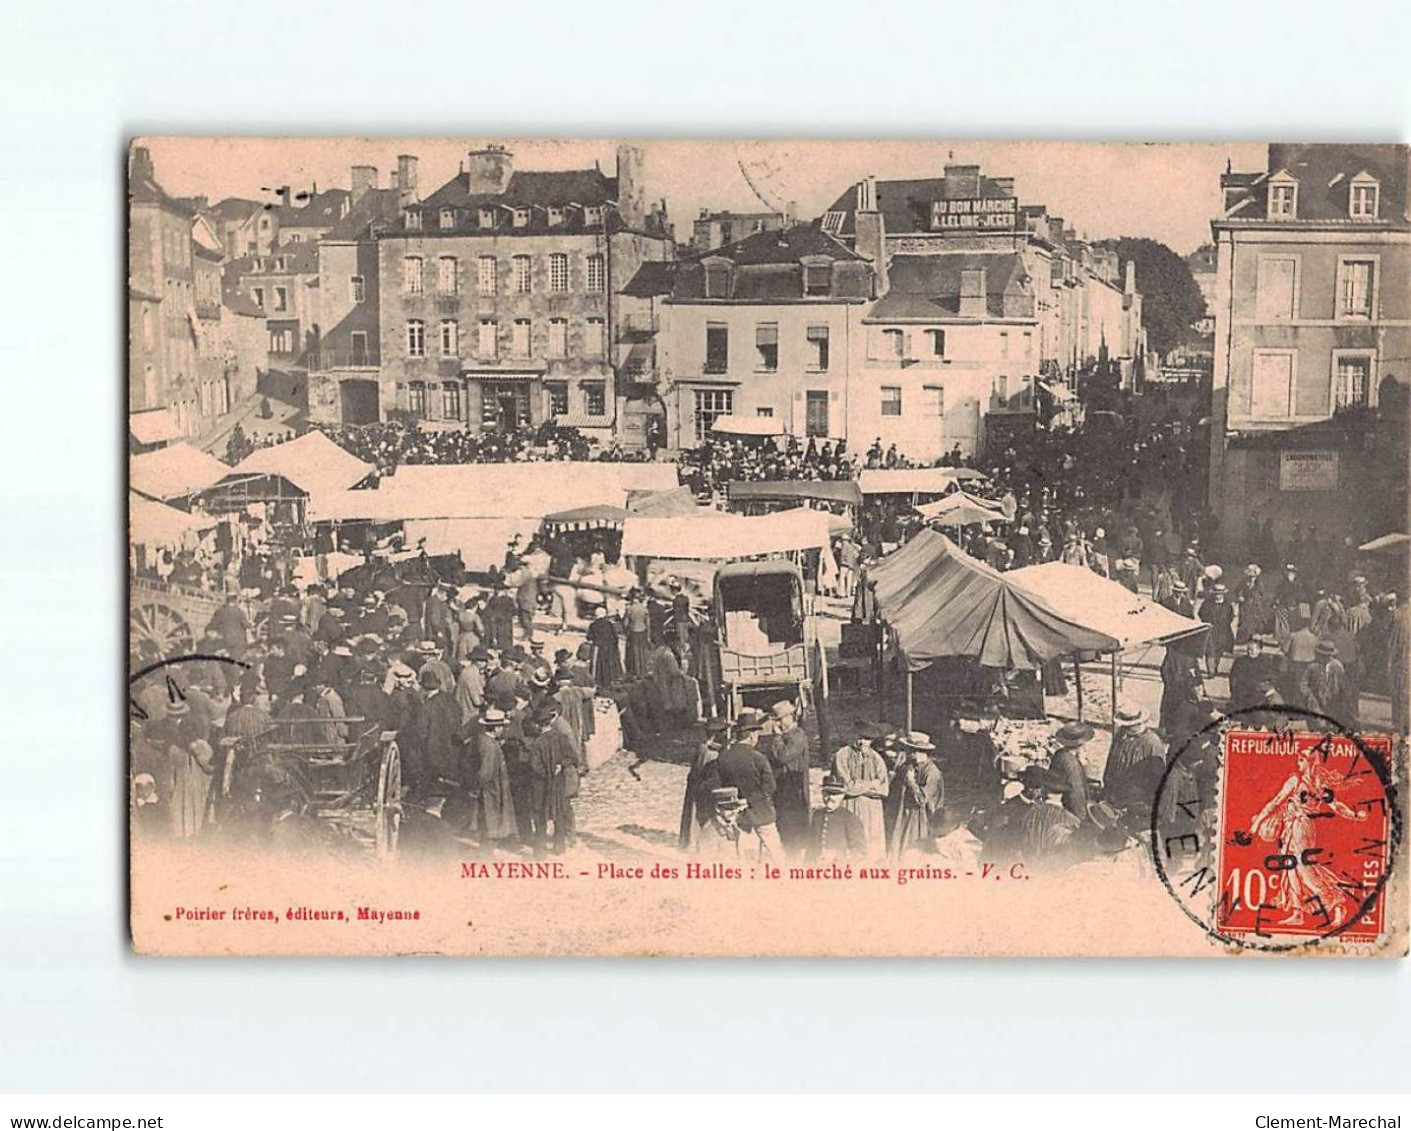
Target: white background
78 1013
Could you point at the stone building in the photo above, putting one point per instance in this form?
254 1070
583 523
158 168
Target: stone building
498 294
711 230
762 328
245 227
1312 311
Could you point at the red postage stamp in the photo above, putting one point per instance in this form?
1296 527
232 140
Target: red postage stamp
1305 835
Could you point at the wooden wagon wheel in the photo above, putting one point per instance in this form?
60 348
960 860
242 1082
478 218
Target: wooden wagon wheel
389 800
164 630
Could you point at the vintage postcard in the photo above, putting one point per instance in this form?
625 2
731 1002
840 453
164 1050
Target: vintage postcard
652 547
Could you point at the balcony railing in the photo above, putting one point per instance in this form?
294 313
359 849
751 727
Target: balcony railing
638 325
343 359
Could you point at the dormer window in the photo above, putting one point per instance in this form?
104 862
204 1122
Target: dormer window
817 278
1283 197
413 219
259 264
592 215
487 217
279 262
448 218
521 217
717 280
1362 201
555 217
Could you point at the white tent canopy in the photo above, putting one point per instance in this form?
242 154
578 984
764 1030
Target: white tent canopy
960 508
159 526
748 426
1385 542
726 537
914 480
174 471
1077 593
312 462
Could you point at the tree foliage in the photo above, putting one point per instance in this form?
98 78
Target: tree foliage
1171 301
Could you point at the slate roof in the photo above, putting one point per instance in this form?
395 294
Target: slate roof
375 206
768 266
1324 174
927 287
652 278
906 205
324 210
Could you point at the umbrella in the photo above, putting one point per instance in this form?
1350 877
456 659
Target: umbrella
960 509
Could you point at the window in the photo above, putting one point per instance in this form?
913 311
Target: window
596 274
595 398
1271 385
893 344
259 264
279 263
1352 383
557 392
450 338
281 341
717 280
711 404
147 327
1028 343
558 272
1004 343
446 281
295 237
558 337
594 338
891 400
1002 389
487 218
357 350
411 275
521 217
281 298
258 294
359 288
936 342
727 233
592 215
519 337
448 218
523 274
816 412
416 398
555 216
1275 288
817 338
765 412
766 341
487 341
451 400
1355 280
416 338
1362 204
817 279
485 275
933 400
1283 200
717 348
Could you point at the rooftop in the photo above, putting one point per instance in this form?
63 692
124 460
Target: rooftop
1323 176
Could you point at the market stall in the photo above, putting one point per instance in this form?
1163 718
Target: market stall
174 472
960 508
915 481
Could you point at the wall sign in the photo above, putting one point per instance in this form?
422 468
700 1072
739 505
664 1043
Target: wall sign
1308 471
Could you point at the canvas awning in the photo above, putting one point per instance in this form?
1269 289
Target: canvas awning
313 462
725 537
663 504
153 426
1080 594
941 602
480 542
823 490
175 471
914 480
587 518
157 525
748 426
961 509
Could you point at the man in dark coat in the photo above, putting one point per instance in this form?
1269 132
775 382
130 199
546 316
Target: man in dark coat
434 749
789 761
702 779
1255 608
835 833
230 623
497 819
1046 827
743 766
1219 614
607 651
1133 744
1063 763
554 767
499 620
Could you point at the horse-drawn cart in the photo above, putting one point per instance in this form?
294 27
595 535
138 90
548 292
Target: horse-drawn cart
167 620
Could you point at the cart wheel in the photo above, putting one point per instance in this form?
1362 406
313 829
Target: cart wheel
389 800
162 629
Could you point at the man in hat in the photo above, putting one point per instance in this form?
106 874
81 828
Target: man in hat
1133 744
1179 601
437 620
919 790
1254 607
1064 764
721 835
607 650
499 620
502 682
429 652
1048 825
866 783
701 780
788 756
470 684
230 623
743 766
1300 652
835 833
432 752
638 622
1324 685
554 765
526 603
1219 614
496 806
1191 568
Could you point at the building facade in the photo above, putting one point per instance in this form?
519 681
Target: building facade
763 328
498 295
711 230
1312 333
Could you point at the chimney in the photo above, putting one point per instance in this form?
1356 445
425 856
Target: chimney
1004 184
140 167
631 202
406 180
362 178
791 213
286 196
962 182
490 170
870 231
972 292
1129 278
